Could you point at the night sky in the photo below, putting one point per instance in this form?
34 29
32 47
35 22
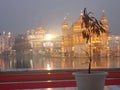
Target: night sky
18 16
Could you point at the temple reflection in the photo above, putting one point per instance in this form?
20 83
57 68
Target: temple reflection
50 63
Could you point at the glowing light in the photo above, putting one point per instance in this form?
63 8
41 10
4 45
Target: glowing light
48 36
31 63
103 11
65 18
117 38
48 44
81 13
48 67
49 89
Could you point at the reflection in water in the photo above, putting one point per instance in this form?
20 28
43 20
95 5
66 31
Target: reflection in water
48 67
49 63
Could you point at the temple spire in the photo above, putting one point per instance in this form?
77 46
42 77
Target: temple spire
65 18
103 11
81 12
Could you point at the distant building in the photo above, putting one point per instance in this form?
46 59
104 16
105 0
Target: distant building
36 37
44 42
114 45
5 41
75 44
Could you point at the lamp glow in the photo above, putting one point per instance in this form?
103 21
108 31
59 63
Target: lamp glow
48 36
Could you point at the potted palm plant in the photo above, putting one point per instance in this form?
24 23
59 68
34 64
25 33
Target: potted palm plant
90 80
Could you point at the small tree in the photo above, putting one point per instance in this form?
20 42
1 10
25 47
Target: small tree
91 26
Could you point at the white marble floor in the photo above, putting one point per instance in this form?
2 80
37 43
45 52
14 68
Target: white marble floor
114 87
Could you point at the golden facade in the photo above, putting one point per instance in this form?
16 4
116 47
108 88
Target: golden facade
75 44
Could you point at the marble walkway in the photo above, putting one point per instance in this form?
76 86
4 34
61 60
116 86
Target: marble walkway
114 87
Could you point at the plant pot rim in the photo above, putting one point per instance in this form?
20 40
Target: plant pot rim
91 74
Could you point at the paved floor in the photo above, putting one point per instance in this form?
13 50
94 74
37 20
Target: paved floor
74 88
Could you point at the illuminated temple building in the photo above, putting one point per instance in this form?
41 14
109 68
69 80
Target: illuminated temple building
43 42
36 37
75 45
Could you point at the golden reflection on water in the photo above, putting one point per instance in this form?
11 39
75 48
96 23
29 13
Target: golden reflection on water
76 63
50 63
49 89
